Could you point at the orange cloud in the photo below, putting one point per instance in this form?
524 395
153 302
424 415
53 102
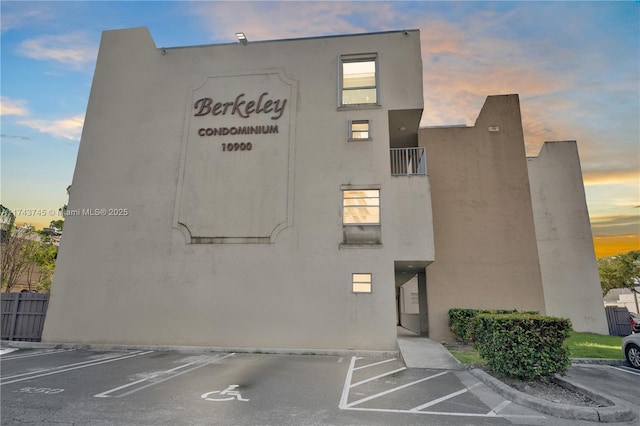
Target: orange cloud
607 177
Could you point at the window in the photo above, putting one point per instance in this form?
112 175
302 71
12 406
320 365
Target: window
361 283
361 216
361 207
359 80
359 130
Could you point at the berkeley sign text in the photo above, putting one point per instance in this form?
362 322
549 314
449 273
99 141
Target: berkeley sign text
241 107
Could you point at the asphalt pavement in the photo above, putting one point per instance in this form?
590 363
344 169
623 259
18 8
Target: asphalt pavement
147 387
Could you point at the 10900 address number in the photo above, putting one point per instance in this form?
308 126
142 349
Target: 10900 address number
237 146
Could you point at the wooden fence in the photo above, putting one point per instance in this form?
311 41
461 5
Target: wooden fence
23 316
618 321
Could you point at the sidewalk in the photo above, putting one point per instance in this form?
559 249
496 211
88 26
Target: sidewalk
422 352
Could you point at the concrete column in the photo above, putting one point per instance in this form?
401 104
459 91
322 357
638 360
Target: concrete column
422 303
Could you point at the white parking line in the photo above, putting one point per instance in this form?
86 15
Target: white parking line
29 355
388 391
377 377
347 383
7 350
344 405
500 407
106 393
439 400
44 370
446 413
374 364
625 370
76 368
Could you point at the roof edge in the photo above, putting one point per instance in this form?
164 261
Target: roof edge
407 32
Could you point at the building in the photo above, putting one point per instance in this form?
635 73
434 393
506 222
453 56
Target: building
278 195
510 232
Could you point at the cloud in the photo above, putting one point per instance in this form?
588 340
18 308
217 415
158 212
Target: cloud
69 49
22 138
14 15
12 107
608 177
67 128
619 225
277 20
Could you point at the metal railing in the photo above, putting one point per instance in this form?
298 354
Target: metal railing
408 161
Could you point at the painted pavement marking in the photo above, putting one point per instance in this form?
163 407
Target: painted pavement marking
500 407
626 370
379 376
29 355
439 400
7 350
231 390
35 375
445 413
397 388
347 383
420 409
106 393
44 391
374 364
44 370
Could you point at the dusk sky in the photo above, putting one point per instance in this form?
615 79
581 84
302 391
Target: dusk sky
575 65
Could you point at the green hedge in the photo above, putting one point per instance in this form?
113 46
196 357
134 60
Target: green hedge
461 320
523 346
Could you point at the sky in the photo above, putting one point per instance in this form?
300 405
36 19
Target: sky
575 66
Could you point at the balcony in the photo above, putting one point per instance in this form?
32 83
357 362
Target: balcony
408 161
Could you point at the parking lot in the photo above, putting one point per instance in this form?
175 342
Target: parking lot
135 387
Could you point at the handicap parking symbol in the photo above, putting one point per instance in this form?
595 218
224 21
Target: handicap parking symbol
230 391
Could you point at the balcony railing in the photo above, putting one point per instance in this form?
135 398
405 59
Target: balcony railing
408 161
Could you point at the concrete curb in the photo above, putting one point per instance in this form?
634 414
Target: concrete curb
167 348
615 411
598 361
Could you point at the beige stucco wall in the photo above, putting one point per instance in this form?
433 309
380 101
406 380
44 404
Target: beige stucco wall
565 244
137 279
485 240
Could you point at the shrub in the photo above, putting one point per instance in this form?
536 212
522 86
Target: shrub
523 346
461 320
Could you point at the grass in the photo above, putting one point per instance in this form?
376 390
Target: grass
589 345
581 345
465 354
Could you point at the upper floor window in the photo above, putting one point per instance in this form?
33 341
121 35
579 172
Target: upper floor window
359 80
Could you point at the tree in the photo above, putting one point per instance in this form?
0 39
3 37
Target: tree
7 218
24 252
16 256
58 224
620 271
42 258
